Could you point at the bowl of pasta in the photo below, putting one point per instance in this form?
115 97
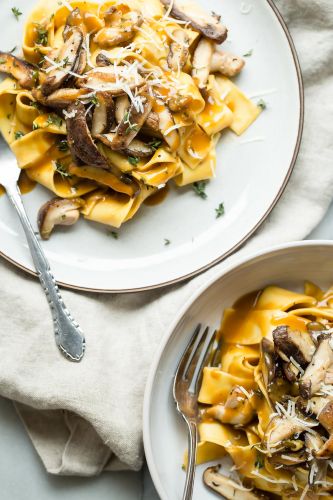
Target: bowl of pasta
265 408
111 107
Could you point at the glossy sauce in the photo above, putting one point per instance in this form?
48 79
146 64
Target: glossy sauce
158 197
25 184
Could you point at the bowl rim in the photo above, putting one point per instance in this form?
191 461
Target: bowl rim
240 261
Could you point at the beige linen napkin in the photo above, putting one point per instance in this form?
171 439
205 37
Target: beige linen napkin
83 418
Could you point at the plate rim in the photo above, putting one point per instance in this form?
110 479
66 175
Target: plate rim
147 442
226 254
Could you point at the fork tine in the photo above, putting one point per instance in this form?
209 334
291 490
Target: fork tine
194 351
187 352
202 360
216 358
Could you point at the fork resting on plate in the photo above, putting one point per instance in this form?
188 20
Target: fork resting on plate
68 334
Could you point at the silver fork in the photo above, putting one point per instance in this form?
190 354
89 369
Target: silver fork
185 392
68 335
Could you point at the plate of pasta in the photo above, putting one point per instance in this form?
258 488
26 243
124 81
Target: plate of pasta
144 131
266 411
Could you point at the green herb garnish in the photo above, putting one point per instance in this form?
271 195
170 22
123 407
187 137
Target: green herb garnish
114 234
94 100
18 134
259 463
35 126
13 49
42 35
219 210
35 104
155 144
63 146
54 120
133 160
199 188
248 53
35 75
61 169
131 126
262 104
17 13
166 242
2 61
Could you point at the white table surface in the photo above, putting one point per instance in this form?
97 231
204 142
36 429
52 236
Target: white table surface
22 476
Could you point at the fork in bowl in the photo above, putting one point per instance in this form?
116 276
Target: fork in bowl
68 335
186 389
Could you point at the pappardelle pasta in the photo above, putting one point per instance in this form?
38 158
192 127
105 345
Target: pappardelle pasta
269 403
114 100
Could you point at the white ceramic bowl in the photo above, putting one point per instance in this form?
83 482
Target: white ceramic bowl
165 436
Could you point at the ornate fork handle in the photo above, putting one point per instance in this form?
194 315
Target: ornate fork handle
68 335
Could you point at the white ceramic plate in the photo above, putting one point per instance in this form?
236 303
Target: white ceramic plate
251 176
165 435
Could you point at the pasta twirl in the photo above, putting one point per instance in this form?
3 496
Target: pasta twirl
116 99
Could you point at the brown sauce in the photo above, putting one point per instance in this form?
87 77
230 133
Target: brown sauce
25 184
158 197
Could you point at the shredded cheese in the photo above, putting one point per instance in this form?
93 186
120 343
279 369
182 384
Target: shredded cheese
174 127
304 492
269 479
66 4
297 365
60 67
70 114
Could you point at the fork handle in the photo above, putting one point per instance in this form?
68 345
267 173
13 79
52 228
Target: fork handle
68 335
192 448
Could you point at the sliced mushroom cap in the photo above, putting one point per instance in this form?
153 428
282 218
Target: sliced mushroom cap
106 79
315 373
209 25
123 32
58 211
226 63
290 371
325 416
68 55
268 362
326 451
103 115
80 141
280 429
22 71
151 126
179 50
61 98
227 488
122 104
132 122
293 344
201 62
136 148
103 60
288 459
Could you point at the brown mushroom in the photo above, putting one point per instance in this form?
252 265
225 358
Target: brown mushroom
103 115
237 409
80 141
227 488
122 32
314 375
103 60
226 63
122 104
68 56
132 122
179 50
108 80
61 98
208 24
136 148
22 71
58 211
293 344
201 62
151 125
74 19
280 429
268 364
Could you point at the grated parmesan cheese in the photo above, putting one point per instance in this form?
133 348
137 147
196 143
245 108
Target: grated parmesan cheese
69 114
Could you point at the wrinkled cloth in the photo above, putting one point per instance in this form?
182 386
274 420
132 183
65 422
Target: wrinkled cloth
87 417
